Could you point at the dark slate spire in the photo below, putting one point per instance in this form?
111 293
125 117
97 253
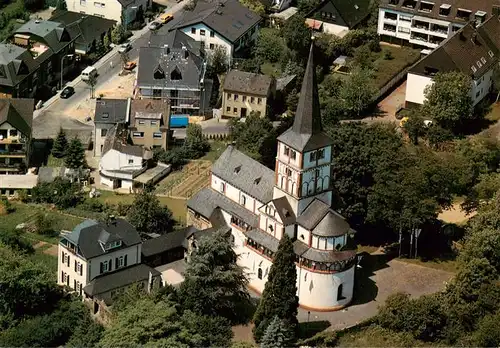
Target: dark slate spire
308 117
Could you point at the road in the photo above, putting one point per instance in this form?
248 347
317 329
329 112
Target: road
109 66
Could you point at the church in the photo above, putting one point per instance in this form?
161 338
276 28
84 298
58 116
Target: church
261 205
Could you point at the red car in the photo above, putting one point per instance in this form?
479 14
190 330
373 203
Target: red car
129 66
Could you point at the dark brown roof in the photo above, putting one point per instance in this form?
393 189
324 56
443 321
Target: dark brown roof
471 5
284 210
470 50
245 82
306 133
116 139
322 220
18 113
143 108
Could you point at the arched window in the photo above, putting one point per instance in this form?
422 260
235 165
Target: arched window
222 187
282 183
243 200
340 289
259 273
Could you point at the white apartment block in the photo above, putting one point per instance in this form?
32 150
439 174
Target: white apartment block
121 11
426 24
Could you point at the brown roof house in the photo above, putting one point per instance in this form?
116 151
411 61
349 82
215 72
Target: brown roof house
473 50
149 123
16 116
245 92
426 24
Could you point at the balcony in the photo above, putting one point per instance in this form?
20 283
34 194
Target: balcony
12 153
420 25
391 17
439 29
411 4
389 27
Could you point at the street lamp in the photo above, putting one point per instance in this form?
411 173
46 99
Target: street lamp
62 65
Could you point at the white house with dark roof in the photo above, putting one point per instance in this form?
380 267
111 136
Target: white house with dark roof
121 163
225 23
108 113
473 50
97 260
261 205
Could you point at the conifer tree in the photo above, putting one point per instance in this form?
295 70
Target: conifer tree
75 155
60 145
279 297
278 334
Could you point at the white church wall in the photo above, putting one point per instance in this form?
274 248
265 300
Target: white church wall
303 235
319 290
326 158
251 261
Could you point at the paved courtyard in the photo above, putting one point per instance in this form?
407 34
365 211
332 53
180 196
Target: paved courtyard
374 283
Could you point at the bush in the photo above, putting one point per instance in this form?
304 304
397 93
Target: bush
15 240
43 225
23 196
93 205
122 209
388 55
5 207
60 192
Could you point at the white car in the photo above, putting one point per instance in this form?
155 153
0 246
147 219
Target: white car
154 25
124 47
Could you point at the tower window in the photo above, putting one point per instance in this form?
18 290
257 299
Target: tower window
259 273
340 289
286 151
288 172
293 154
321 154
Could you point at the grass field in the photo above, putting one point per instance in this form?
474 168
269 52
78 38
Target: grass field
216 149
375 336
26 213
177 206
448 265
386 69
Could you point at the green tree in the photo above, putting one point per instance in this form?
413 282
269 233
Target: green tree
279 298
148 215
269 46
60 192
195 145
61 5
75 155
106 41
16 241
218 60
256 137
277 335
149 324
297 35
176 157
91 82
357 92
214 284
414 127
117 34
362 58
488 331
60 145
27 288
448 100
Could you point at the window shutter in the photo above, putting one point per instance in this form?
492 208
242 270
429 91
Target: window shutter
74 284
62 256
110 265
125 262
75 265
102 268
67 279
68 259
81 269
62 277
116 262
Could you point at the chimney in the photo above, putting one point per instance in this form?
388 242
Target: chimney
185 51
474 37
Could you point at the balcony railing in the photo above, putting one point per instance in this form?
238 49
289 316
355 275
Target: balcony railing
13 153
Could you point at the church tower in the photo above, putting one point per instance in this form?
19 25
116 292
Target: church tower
303 162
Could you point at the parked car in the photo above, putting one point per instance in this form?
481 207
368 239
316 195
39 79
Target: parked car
67 92
129 65
154 25
125 47
165 18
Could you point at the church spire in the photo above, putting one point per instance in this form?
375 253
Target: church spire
308 116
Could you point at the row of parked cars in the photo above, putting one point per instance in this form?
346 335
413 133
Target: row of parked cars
163 19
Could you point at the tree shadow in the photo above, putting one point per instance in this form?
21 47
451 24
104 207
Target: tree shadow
311 328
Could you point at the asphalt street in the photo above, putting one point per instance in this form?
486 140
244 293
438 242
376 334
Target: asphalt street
109 66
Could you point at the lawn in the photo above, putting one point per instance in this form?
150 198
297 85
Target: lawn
375 336
386 69
494 114
177 206
271 69
447 265
26 213
216 149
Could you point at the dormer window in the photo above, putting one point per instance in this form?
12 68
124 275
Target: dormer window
112 245
444 10
237 169
491 54
426 6
474 69
105 115
257 181
463 14
176 74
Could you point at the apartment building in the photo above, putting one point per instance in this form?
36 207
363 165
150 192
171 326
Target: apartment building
121 11
173 68
16 116
473 50
149 123
245 92
225 23
426 24
98 260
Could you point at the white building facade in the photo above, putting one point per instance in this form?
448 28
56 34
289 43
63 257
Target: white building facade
121 11
118 169
261 206
425 24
